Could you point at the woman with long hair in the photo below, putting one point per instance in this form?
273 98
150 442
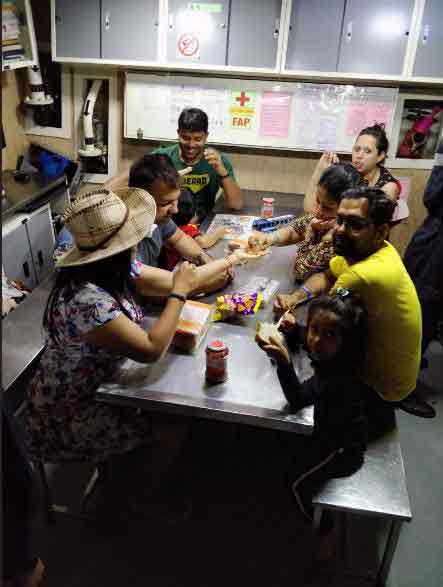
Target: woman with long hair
368 155
92 324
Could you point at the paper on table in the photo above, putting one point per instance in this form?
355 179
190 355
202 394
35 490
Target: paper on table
237 225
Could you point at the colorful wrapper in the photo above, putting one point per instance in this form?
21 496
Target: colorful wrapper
231 305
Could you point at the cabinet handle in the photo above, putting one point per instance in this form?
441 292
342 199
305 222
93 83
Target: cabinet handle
107 21
171 21
26 269
276 28
349 32
40 259
426 31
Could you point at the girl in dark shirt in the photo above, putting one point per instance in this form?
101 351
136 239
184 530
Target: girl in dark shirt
336 341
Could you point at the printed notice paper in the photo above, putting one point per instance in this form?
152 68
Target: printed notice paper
275 114
363 114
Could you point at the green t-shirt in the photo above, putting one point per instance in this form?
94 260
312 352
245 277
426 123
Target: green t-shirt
203 181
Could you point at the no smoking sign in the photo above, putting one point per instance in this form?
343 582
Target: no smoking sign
188 45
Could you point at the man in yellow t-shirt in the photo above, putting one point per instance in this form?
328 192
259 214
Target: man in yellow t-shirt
367 264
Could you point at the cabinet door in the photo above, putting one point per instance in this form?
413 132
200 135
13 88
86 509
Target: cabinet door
314 34
16 257
198 31
41 238
77 28
130 30
253 33
429 60
375 35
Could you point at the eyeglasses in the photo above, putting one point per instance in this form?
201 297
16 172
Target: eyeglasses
355 223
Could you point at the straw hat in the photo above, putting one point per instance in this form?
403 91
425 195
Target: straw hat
104 223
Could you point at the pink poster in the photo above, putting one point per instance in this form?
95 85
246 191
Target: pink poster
363 114
275 114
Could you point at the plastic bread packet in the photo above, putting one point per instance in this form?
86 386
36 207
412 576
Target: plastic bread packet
237 304
260 284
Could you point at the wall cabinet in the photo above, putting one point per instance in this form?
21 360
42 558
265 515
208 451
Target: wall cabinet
429 61
355 36
197 32
254 34
106 29
351 38
27 246
77 28
129 30
226 32
375 35
314 34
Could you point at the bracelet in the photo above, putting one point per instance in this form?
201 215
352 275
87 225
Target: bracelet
177 296
135 269
224 176
307 291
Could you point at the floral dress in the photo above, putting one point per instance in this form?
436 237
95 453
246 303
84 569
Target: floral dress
315 250
384 178
63 420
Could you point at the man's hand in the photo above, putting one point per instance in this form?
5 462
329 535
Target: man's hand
204 258
214 159
238 257
285 301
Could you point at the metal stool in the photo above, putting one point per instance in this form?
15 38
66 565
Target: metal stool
50 506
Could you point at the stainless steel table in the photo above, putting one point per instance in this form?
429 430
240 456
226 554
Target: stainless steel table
252 394
176 384
22 334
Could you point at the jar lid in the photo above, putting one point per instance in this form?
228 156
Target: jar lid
268 200
217 345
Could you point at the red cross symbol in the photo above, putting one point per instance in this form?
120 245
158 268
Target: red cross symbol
242 99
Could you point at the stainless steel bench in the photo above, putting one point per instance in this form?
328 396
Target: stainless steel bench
377 489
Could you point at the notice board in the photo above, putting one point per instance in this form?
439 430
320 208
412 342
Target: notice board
256 113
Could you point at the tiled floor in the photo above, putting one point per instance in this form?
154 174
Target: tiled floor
244 529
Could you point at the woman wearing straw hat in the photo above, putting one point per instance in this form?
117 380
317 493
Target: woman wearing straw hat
92 323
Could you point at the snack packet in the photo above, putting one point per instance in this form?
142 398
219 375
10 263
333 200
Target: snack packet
230 305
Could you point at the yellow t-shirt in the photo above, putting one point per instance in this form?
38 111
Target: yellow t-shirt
394 311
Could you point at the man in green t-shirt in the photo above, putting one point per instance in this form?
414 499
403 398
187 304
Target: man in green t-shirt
211 170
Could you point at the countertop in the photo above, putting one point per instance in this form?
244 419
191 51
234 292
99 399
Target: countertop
19 195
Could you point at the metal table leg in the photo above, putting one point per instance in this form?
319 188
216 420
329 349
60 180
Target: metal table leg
391 545
317 518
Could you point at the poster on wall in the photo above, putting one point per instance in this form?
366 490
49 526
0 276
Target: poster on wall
275 114
242 110
256 113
